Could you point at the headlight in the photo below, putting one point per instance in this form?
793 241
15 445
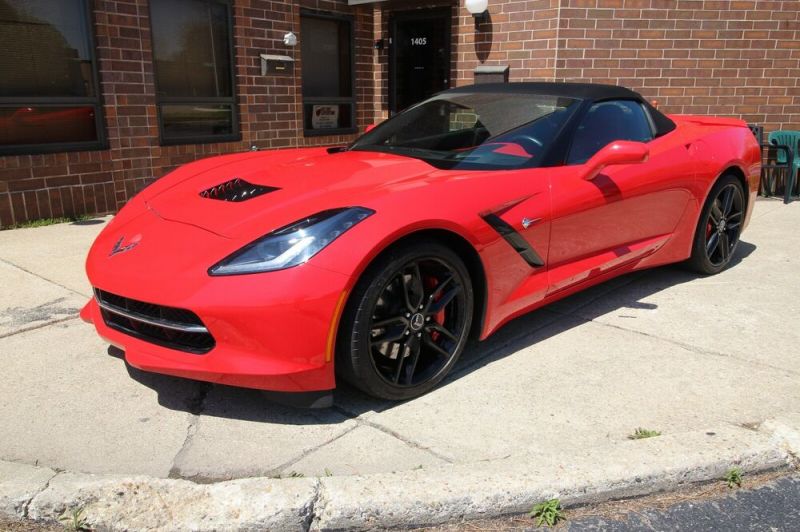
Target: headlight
291 245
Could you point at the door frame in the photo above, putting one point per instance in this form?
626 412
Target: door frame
417 14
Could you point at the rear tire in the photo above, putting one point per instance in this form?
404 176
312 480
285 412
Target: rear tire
407 321
719 227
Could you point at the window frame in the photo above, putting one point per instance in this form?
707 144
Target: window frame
95 101
588 106
650 121
232 100
320 100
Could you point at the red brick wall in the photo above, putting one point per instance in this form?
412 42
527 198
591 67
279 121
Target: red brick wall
270 111
522 35
721 57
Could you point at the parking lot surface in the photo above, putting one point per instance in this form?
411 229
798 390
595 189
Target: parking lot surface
663 349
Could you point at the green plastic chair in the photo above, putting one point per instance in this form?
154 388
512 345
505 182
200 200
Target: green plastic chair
792 140
787 138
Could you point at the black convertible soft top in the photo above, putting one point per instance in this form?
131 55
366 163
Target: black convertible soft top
580 91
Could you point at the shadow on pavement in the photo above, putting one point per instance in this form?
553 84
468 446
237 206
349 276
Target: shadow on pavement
592 303
216 400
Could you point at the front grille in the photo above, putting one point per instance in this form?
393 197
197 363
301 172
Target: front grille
171 327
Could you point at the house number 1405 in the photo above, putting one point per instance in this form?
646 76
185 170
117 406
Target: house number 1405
419 41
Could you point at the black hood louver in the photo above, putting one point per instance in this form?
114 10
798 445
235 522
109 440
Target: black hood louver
235 190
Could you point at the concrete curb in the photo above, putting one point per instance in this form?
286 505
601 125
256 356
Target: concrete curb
419 497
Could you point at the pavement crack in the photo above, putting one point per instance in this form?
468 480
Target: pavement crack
794 459
361 422
196 405
310 511
27 504
281 468
17 266
408 441
695 349
411 443
637 276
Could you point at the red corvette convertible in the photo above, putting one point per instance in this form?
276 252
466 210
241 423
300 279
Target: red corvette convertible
375 262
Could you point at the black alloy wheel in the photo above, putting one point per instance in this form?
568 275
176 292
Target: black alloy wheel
724 224
411 323
720 226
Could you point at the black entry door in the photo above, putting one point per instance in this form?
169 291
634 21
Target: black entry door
420 56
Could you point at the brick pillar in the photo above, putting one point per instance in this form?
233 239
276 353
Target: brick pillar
122 29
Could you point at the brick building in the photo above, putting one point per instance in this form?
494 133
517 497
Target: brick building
98 97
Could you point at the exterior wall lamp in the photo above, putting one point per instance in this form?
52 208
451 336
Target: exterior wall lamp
479 9
290 39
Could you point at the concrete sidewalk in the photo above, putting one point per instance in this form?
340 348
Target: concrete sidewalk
543 407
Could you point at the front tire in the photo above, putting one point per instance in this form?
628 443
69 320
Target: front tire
407 322
719 227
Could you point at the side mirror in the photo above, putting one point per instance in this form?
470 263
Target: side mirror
370 128
618 152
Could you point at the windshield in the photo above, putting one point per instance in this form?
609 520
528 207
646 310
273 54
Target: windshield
474 130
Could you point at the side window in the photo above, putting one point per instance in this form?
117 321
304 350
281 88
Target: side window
606 122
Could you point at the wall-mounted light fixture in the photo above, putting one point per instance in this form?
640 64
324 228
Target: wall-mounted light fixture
479 9
290 39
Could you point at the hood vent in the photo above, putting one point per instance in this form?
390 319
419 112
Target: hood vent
235 190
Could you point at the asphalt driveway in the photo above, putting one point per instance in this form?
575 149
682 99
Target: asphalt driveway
664 349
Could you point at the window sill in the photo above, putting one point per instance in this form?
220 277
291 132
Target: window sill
62 147
200 140
329 132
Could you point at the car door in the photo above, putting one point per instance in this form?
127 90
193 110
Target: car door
518 274
627 211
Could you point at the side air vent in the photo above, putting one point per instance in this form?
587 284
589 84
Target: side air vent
235 190
515 240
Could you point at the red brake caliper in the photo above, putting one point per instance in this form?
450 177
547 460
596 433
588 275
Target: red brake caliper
431 285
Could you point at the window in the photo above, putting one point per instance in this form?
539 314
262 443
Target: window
193 61
48 78
327 58
606 122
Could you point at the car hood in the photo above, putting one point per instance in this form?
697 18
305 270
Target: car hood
309 182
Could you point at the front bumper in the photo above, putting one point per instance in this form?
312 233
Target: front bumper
279 346
272 331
